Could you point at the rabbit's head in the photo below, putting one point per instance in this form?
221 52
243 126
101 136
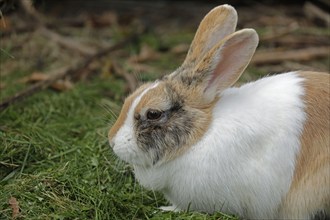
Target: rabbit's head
162 120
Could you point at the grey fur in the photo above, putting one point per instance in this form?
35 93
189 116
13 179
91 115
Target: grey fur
169 132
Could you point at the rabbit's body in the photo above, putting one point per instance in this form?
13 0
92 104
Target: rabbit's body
246 161
258 151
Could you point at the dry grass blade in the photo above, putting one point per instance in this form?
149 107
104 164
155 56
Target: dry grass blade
8 164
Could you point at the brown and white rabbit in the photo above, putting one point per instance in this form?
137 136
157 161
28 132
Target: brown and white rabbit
258 151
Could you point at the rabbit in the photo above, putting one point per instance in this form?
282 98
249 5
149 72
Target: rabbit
258 151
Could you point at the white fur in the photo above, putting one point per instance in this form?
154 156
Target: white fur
124 142
245 162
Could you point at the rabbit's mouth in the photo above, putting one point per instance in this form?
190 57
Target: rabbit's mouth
132 155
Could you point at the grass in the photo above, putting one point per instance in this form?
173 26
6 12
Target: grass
55 159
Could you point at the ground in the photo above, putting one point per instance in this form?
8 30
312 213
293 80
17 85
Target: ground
55 161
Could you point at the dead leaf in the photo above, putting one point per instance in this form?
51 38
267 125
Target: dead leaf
62 85
104 20
146 53
140 68
2 85
181 48
5 24
107 69
35 77
14 205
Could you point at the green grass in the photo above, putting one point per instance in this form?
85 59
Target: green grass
55 159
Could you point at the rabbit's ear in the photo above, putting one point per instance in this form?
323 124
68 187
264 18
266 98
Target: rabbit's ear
216 25
222 66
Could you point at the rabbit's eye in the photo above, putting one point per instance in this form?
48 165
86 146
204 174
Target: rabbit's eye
153 114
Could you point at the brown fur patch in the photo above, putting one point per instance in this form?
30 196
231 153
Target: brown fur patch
310 189
123 113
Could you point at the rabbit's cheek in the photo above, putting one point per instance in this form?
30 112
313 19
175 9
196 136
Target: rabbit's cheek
125 147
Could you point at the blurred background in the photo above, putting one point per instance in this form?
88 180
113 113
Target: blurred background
46 35
65 69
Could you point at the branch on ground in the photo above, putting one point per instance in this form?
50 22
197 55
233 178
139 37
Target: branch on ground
314 12
71 72
41 27
66 41
270 57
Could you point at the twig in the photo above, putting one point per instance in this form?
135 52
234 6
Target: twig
300 41
41 26
71 72
29 9
31 27
270 57
131 80
312 12
280 33
66 42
